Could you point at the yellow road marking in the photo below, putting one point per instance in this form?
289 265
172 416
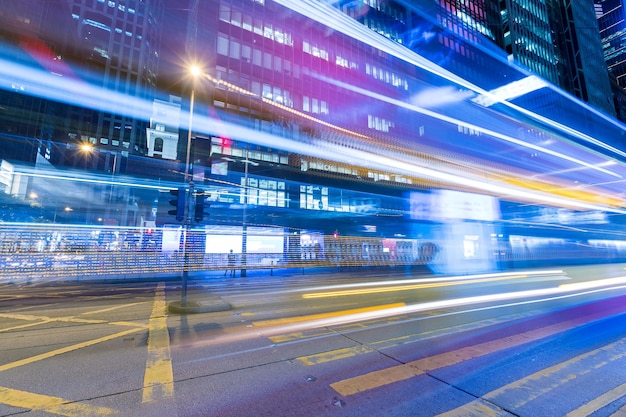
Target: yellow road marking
337 354
158 380
282 338
66 349
31 317
25 317
553 377
597 403
273 322
22 326
402 372
394 288
334 355
104 310
619 413
45 319
49 404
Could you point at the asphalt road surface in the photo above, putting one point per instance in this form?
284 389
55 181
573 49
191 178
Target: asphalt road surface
381 343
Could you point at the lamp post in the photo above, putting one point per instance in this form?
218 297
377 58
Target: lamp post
107 214
195 71
244 222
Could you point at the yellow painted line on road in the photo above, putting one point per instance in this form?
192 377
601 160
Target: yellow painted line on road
282 338
25 317
49 404
602 401
375 379
311 317
541 382
379 345
394 288
45 319
23 326
158 380
334 355
66 349
32 317
619 413
105 310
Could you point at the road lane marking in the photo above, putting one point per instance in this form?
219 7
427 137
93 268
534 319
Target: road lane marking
343 353
541 382
334 355
49 404
321 316
66 349
105 310
283 338
375 379
69 319
23 326
39 320
158 381
602 401
619 413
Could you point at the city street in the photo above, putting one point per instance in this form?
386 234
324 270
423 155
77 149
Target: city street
380 343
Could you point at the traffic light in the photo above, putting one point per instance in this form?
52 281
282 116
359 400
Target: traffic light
198 212
199 207
179 203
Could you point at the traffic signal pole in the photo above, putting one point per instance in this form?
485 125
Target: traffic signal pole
189 204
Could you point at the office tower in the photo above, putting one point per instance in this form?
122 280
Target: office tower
580 61
120 42
610 15
555 40
528 36
113 45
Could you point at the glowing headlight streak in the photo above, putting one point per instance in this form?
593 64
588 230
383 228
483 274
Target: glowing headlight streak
483 302
337 21
79 179
396 288
102 99
243 91
608 282
512 90
339 153
530 83
43 84
567 290
547 272
459 122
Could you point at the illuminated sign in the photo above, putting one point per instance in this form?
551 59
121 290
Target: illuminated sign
445 205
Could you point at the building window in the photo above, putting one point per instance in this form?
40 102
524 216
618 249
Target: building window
158 145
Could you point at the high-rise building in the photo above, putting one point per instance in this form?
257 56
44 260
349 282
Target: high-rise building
120 42
610 15
579 57
110 44
556 40
528 36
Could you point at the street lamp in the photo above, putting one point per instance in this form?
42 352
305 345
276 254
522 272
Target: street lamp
244 223
195 71
214 304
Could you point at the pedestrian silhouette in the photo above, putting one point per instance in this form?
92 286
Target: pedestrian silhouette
231 264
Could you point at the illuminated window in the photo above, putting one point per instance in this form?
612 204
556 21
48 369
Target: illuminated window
222 44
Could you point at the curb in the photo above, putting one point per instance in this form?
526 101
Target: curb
192 307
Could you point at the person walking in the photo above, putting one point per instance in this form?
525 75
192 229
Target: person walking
231 264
